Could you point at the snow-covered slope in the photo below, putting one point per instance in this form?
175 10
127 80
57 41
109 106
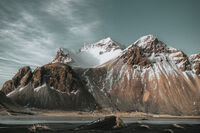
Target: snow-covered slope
147 76
90 55
157 51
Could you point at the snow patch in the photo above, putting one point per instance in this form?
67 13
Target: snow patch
39 87
12 92
56 90
169 82
109 78
127 75
143 73
157 71
185 75
151 74
121 71
175 54
75 92
20 89
89 84
155 87
135 72
171 48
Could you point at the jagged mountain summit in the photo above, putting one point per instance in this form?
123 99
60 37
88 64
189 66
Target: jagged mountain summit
90 55
147 76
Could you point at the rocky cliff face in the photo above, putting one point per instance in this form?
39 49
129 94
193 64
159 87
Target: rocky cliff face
147 76
56 75
62 57
134 56
51 86
20 79
195 59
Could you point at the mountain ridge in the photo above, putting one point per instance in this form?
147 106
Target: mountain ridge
147 76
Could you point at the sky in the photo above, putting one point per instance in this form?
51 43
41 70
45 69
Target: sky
31 31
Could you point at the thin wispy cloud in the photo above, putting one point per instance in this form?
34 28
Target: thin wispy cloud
85 30
30 33
26 37
66 11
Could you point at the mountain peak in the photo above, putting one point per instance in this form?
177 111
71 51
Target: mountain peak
151 42
145 41
147 37
106 40
107 44
62 56
148 50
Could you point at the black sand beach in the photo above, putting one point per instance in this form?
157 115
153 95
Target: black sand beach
21 124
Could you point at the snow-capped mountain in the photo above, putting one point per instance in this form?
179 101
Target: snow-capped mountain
147 76
90 55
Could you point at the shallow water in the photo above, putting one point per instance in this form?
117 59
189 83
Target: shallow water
23 120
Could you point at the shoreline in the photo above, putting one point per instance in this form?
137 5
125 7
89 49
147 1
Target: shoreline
130 128
119 114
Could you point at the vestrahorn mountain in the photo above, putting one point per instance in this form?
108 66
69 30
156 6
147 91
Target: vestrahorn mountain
147 76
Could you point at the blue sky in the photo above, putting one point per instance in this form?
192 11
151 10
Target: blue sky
31 31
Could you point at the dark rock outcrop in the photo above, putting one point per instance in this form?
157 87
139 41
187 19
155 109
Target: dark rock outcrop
107 123
23 72
21 78
181 58
57 75
195 59
8 86
62 57
134 56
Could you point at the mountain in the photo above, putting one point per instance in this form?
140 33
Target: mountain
147 76
50 86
